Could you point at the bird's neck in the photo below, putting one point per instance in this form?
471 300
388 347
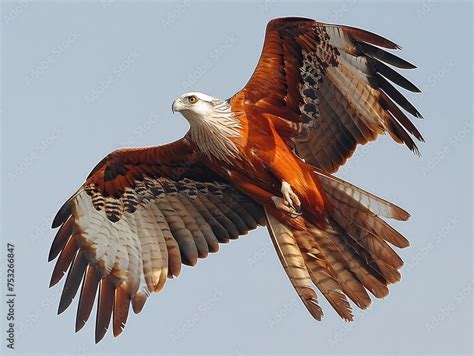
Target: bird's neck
215 135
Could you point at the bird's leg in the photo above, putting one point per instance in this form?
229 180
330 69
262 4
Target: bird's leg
290 197
290 202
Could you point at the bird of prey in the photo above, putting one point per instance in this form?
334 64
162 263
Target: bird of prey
266 156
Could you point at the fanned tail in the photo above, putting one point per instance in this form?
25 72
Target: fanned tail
354 214
347 258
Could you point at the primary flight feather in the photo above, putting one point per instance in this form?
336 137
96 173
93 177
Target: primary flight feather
263 157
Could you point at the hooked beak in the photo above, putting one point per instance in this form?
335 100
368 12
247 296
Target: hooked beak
177 104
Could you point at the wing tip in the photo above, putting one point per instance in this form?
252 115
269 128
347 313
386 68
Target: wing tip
403 215
63 305
408 65
99 334
52 255
361 35
372 51
61 216
56 277
79 325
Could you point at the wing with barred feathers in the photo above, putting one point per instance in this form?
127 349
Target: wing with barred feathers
139 215
325 88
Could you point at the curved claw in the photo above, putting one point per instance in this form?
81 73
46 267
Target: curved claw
295 214
283 205
290 197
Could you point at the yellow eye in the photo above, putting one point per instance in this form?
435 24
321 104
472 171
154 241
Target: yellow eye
192 99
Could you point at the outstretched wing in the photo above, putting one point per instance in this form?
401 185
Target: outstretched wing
139 215
325 88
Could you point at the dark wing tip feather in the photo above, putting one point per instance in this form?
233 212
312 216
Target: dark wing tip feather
62 215
64 261
104 307
400 135
55 278
414 148
394 76
87 297
418 115
394 110
52 255
384 56
370 37
398 97
73 280
60 239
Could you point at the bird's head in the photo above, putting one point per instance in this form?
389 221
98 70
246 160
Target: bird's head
196 107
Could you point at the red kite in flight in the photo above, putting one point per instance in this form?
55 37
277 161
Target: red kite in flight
263 157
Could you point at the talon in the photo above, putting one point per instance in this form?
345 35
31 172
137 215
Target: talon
282 204
295 214
290 197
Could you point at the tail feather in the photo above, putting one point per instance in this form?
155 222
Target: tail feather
359 215
359 251
371 278
376 205
378 250
322 273
346 258
293 263
338 265
357 225
354 210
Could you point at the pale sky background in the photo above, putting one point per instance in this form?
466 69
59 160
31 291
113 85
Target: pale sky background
81 79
